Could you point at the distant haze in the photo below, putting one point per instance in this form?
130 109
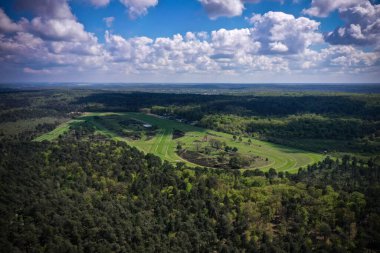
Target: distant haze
200 88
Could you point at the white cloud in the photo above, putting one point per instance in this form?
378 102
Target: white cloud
223 8
279 32
99 3
138 8
232 41
276 43
109 21
59 29
227 51
174 54
190 36
47 8
226 8
20 47
52 38
278 47
122 50
235 51
25 49
53 21
322 8
349 56
362 26
345 60
7 25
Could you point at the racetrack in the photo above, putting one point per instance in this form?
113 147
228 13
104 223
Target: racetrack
162 144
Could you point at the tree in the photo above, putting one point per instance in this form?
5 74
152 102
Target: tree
272 173
153 161
222 157
217 144
238 161
234 163
324 229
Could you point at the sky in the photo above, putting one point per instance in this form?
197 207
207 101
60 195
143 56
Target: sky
190 41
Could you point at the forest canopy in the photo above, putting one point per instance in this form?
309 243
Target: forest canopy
85 192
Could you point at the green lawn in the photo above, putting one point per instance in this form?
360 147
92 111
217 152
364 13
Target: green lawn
281 158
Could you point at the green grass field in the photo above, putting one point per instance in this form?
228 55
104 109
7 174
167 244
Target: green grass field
162 144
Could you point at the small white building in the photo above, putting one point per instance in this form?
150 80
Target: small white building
147 125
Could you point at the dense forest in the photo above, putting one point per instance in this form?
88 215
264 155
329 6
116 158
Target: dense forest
83 194
87 193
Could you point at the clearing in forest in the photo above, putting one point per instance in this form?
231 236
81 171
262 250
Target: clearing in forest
178 142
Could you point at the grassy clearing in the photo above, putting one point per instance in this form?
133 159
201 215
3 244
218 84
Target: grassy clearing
163 145
60 130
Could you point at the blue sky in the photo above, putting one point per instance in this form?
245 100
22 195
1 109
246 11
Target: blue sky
249 41
170 17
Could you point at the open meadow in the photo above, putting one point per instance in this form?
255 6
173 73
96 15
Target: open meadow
163 144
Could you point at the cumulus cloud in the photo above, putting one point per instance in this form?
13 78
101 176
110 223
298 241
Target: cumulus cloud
59 29
362 26
138 8
123 50
278 47
53 37
47 8
322 8
226 51
53 21
20 47
231 41
348 56
174 54
223 8
276 42
347 60
99 3
226 8
279 32
337 59
7 25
